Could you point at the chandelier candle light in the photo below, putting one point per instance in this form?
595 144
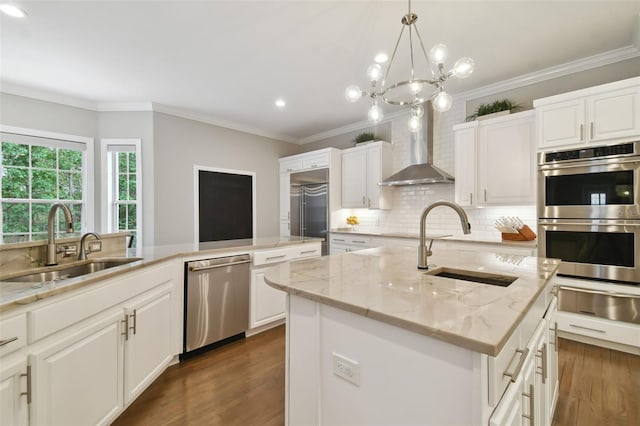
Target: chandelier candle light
416 90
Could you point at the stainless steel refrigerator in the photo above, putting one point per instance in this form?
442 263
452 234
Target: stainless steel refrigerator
310 205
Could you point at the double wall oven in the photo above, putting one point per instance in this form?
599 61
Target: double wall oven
589 211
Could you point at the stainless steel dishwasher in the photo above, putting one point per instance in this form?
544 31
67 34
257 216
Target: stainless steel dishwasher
216 301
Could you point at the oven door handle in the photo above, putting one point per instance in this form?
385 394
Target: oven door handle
600 292
613 222
588 163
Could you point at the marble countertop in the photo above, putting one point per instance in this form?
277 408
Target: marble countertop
495 238
14 293
384 284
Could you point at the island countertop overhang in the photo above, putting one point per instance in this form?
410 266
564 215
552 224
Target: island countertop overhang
384 284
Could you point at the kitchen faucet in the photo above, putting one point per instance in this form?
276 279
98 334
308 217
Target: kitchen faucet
423 251
83 251
52 249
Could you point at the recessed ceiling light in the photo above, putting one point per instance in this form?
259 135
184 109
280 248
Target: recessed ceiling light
11 10
381 58
280 103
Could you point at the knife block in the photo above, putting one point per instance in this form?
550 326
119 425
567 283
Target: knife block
524 234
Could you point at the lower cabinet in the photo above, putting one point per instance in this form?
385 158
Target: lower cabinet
14 408
342 243
88 375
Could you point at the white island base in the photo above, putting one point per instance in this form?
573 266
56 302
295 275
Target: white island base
347 369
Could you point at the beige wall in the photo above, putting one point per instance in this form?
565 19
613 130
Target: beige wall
179 144
382 132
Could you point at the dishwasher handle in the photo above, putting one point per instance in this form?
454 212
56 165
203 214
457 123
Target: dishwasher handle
221 265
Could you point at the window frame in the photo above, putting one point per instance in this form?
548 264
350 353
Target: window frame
109 177
88 181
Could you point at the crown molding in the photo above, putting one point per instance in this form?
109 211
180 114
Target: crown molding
190 115
124 106
46 95
584 64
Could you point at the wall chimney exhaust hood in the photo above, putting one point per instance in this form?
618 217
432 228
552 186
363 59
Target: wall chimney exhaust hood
421 169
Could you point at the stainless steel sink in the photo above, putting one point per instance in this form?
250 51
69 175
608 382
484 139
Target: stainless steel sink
71 271
473 276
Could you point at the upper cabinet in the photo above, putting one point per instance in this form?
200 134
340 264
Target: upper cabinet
362 168
601 113
495 161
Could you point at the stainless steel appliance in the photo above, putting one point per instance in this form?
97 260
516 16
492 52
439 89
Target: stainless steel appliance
216 300
309 195
589 211
601 304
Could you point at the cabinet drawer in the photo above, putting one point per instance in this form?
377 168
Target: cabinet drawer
314 161
306 250
507 361
13 333
599 328
354 240
265 257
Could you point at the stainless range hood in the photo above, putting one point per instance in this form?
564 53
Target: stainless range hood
421 169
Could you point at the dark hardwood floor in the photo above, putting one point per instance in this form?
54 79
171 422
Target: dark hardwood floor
243 384
598 386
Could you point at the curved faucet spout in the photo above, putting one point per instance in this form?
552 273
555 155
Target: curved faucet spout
423 252
51 243
83 250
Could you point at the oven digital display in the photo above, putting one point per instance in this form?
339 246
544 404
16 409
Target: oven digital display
598 248
605 188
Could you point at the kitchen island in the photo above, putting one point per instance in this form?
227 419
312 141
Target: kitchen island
373 340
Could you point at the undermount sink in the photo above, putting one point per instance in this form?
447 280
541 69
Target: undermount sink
473 276
71 271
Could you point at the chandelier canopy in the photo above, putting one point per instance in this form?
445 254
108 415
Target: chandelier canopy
414 91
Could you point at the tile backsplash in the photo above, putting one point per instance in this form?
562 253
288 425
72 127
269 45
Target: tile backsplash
408 202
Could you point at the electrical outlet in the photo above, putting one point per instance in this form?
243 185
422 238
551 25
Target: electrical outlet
346 369
95 246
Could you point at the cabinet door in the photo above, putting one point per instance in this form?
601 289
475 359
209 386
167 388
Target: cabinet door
285 228
509 411
506 163
285 202
552 359
354 177
465 159
614 115
561 124
78 379
148 340
14 410
268 303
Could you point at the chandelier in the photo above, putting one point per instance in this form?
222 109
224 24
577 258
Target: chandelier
416 90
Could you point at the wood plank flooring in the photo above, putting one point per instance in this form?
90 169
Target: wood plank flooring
598 386
243 384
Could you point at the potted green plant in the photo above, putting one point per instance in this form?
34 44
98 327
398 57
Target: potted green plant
503 106
364 137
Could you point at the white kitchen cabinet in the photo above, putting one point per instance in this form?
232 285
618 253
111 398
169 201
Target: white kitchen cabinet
77 378
148 340
552 385
267 303
14 409
466 160
345 243
285 202
362 168
606 112
495 161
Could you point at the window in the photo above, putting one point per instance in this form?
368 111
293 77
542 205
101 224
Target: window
35 173
123 177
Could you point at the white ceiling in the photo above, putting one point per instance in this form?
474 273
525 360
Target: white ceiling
230 60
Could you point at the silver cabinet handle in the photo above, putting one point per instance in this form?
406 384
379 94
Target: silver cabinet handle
604 293
588 328
308 251
126 327
485 195
28 392
471 198
591 130
363 200
542 354
338 239
134 326
7 341
358 241
271 258
523 355
532 405
555 335
582 132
